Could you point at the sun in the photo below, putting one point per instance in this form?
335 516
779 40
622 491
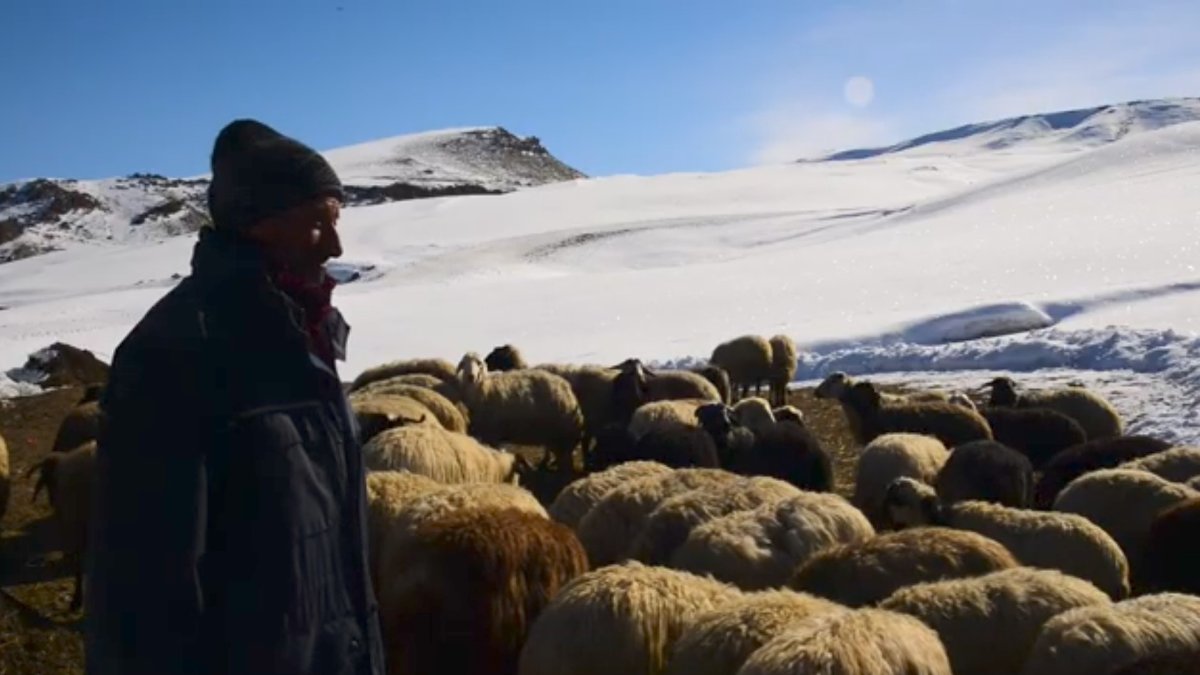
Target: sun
859 91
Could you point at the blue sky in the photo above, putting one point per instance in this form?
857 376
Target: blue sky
106 87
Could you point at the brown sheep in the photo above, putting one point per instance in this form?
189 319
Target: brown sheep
951 424
838 383
1171 551
719 379
67 478
471 585
783 367
505 358
748 360
80 425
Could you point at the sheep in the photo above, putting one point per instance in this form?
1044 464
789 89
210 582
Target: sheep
444 456
5 477
635 385
443 409
664 415
1072 463
1098 418
388 493
748 361
754 413
865 572
619 619
731 439
608 528
668 526
789 413
575 500
505 358
80 425
788 452
836 384
410 379
960 399
986 471
720 641
1037 433
1171 550
988 624
719 379
1124 504
763 547
1102 639
887 458
67 478
1065 542
860 642
951 424
376 414
783 367
439 368
593 388
523 406
1194 483
1176 663
1179 464
470 586
612 445
677 447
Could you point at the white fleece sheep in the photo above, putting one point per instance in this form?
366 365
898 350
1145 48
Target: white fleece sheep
444 456
608 528
668 526
783 367
1180 464
1124 503
443 409
748 361
889 457
1066 542
439 368
665 415
755 414
522 406
1102 639
762 548
720 641
575 500
618 619
989 624
862 642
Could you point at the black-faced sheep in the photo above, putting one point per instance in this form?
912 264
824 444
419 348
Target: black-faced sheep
887 458
1102 639
472 584
575 500
731 439
952 425
1037 433
1072 463
443 409
619 619
1061 541
67 478
783 367
865 572
835 386
669 525
444 456
1180 464
439 368
719 379
524 406
762 548
80 425
989 624
1172 550
635 385
986 471
861 642
1124 503
747 359
788 452
505 358
608 528
1095 415
719 642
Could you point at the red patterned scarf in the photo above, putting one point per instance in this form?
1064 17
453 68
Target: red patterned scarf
315 298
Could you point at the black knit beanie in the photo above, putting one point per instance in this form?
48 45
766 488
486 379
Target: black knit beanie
258 172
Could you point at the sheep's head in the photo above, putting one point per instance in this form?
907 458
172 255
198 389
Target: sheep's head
471 369
633 366
715 418
629 392
789 413
910 503
862 396
833 386
505 358
1004 391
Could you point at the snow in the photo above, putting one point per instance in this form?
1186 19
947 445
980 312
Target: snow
950 266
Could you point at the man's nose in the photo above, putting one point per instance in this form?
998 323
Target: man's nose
333 243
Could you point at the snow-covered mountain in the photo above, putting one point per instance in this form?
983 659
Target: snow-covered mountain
1066 131
41 215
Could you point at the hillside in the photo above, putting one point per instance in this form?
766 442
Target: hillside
42 215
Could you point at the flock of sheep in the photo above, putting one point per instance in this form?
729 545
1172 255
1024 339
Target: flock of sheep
697 532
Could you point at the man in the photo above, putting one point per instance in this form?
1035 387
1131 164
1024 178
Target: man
229 516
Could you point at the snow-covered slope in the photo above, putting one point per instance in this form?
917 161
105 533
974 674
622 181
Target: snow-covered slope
1067 131
885 264
47 214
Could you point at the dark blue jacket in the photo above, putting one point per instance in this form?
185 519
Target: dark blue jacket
229 514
